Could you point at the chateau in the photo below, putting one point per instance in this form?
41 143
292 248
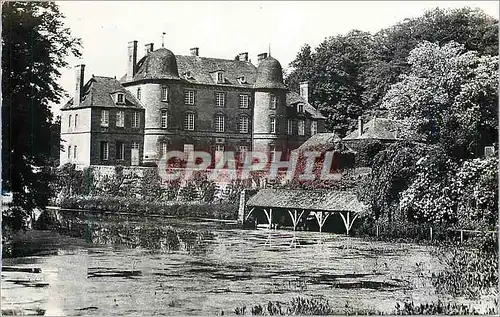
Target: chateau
168 102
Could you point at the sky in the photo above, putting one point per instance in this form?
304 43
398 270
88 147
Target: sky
224 29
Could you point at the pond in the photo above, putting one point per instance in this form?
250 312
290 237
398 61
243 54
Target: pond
148 266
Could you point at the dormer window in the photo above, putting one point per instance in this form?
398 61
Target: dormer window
242 80
300 108
220 77
120 98
188 75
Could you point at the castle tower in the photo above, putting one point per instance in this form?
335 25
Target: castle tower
269 119
155 78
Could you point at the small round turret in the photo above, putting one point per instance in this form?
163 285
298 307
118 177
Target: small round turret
269 74
159 64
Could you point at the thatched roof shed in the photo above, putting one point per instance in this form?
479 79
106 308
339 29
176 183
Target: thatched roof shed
313 200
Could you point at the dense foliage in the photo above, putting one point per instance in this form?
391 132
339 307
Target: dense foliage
449 96
35 45
350 74
139 206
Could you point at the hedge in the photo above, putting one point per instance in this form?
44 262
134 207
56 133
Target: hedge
142 207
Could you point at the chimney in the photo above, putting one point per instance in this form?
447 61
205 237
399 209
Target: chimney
79 76
149 48
360 125
243 57
261 56
195 51
304 90
132 59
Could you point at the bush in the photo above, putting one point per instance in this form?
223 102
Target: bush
470 270
142 207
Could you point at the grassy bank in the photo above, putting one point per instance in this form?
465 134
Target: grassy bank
319 306
227 211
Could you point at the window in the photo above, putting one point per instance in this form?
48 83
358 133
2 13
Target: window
120 118
314 127
189 97
76 120
219 152
219 99
120 98
220 77
301 127
272 153
300 108
219 148
243 149
164 93
120 150
289 129
219 123
74 152
244 124
135 145
244 101
189 122
104 151
164 119
272 128
164 147
69 122
273 101
136 119
139 94
69 152
188 148
104 118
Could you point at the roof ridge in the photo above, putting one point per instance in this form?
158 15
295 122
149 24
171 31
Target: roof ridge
216 58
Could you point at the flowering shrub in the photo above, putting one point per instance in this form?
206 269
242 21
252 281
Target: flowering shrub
442 192
429 198
476 191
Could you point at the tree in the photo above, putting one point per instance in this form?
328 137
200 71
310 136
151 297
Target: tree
391 46
450 96
35 44
334 71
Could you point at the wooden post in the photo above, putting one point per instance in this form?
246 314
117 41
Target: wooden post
249 213
376 227
348 222
320 219
269 215
431 232
461 236
295 218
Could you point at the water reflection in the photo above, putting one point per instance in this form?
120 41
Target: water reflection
171 267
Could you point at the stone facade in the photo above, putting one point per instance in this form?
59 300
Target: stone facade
185 102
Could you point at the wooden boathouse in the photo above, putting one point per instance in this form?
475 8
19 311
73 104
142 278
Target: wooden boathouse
300 204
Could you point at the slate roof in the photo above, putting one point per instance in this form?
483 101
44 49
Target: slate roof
201 68
377 128
325 200
97 92
159 64
319 142
293 98
269 74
